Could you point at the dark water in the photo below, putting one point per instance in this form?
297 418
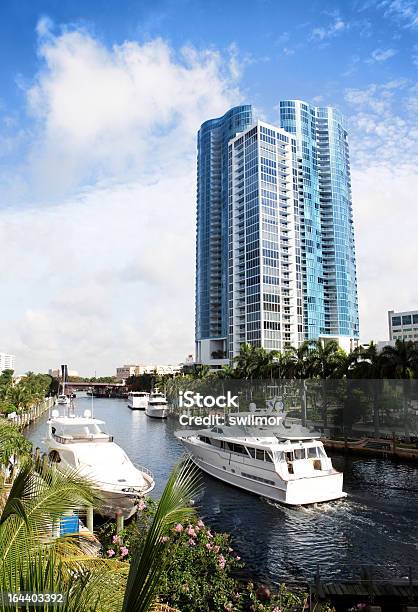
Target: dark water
377 524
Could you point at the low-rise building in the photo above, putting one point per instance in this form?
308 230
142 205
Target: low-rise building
7 362
57 373
403 325
126 371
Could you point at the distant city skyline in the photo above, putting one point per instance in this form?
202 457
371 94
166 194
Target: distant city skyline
98 114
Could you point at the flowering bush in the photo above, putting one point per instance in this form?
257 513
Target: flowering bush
201 574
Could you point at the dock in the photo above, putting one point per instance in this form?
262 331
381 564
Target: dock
397 594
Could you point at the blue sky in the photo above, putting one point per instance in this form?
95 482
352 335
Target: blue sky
300 49
99 106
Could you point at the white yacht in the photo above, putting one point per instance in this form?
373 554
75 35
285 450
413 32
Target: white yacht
80 443
157 406
138 400
63 400
286 463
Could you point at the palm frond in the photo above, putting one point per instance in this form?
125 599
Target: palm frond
149 562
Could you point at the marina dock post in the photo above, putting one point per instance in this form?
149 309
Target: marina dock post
89 518
119 521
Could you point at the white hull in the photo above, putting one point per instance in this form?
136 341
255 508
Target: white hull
157 412
137 403
80 443
241 472
114 501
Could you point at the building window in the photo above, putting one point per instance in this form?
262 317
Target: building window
406 320
396 321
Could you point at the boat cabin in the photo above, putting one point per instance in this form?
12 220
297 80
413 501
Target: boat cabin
298 457
67 430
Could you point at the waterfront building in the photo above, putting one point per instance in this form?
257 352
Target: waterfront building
7 362
403 325
265 294
327 234
129 370
125 372
212 233
275 260
57 373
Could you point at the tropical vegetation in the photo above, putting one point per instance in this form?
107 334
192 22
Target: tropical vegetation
167 556
19 395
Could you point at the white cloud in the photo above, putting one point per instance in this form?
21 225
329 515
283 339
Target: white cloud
384 152
381 55
404 12
336 27
103 264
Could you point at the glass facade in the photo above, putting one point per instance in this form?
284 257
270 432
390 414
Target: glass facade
328 252
264 280
275 257
212 220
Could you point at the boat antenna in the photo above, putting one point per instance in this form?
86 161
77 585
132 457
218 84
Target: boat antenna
92 405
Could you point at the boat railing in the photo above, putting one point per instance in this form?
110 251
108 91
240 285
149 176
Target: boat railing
70 439
144 469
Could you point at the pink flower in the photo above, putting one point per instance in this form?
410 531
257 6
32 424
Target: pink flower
116 540
237 558
142 505
178 528
276 609
192 542
230 549
200 523
123 551
164 539
208 533
208 546
191 532
221 561
110 552
216 549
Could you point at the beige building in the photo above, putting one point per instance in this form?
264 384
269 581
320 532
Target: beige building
128 370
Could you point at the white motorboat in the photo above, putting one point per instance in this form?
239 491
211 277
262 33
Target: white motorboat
63 400
157 406
286 463
80 443
138 400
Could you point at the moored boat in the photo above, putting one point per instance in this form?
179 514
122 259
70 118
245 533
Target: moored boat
157 406
138 400
81 443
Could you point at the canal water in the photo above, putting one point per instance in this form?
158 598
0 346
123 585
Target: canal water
377 524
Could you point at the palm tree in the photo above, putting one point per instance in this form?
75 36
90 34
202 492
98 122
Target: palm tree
246 362
367 363
400 361
32 559
327 360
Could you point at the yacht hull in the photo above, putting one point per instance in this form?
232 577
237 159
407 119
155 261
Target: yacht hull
138 404
267 483
157 412
113 501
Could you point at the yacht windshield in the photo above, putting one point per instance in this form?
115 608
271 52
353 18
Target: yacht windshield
79 432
